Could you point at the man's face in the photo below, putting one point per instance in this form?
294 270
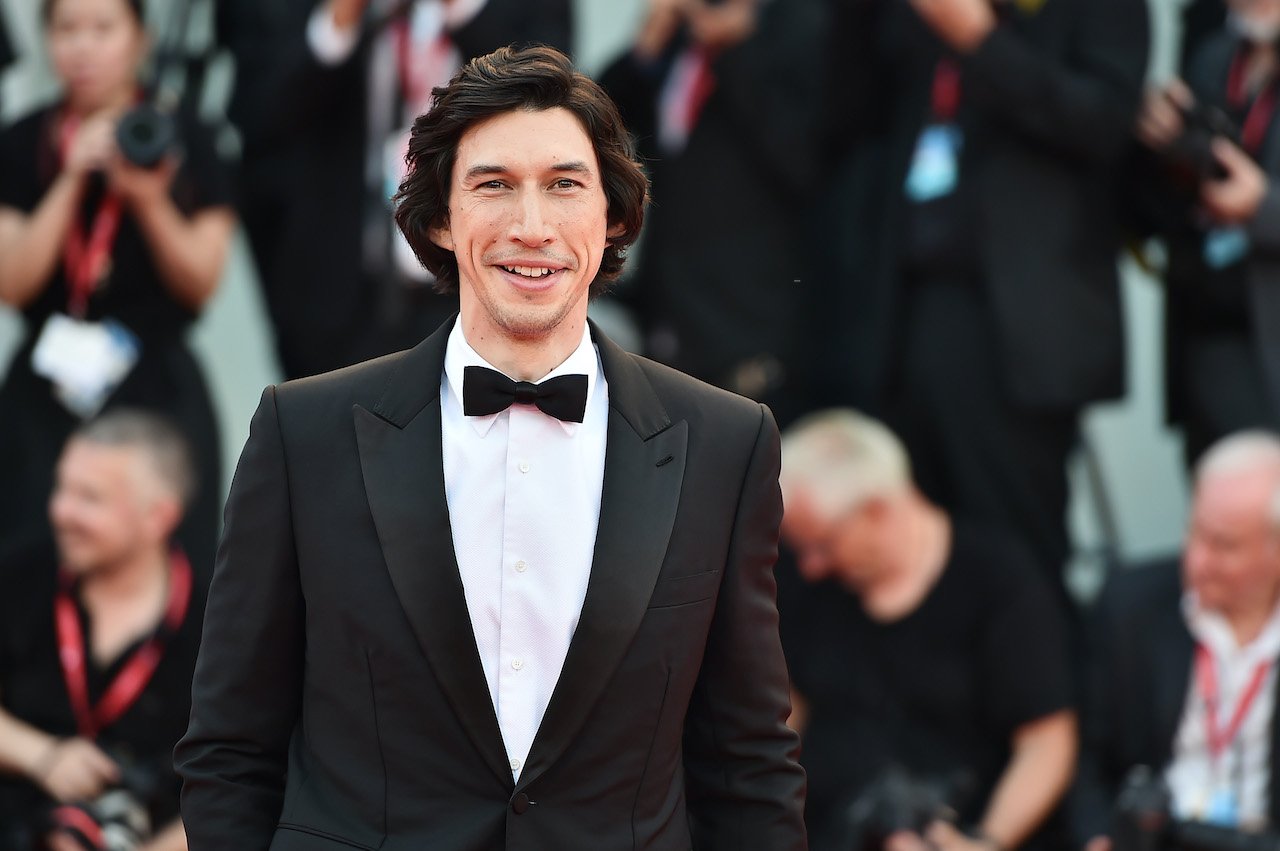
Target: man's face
101 508
1232 558
842 547
1258 20
528 219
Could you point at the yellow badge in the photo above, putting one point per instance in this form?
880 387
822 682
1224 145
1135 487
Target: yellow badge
1029 7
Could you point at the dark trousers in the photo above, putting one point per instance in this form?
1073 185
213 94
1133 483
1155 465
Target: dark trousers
974 450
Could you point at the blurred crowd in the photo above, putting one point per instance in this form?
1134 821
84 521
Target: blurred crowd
896 222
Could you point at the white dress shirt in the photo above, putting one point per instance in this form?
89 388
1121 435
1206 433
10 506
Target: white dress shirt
523 490
1243 770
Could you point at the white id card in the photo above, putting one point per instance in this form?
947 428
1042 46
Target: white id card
935 166
86 361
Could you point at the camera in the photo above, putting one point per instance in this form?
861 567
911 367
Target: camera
894 802
1190 159
145 134
1144 822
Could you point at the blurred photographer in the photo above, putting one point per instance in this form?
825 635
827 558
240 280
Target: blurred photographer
923 646
108 262
1182 671
98 644
1206 187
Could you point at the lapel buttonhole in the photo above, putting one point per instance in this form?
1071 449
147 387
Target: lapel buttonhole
665 461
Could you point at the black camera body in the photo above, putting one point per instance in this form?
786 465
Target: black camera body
1190 158
1144 822
894 802
145 134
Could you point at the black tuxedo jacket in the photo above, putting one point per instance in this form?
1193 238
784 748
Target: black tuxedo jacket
304 128
339 699
1048 103
1137 678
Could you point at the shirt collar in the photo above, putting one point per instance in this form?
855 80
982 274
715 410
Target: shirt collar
1213 630
458 355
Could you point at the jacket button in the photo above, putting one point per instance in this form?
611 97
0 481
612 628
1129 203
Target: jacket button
520 804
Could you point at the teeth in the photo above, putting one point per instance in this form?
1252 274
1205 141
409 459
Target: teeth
528 271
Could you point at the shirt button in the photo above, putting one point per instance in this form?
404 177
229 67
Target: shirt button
515 765
517 664
524 467
521 567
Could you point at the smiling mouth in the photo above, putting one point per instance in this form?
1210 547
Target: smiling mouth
532 272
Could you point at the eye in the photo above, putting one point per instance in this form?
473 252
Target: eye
491 184
565 183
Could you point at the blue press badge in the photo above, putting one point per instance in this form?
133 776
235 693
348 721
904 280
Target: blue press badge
1223 809
1225 247
935 167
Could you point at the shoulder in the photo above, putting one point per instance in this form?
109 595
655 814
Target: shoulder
687 397
333 394
1145 588
999 565
29 125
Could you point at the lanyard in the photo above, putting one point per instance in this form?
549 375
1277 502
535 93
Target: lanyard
1207 680
1258 118
945 91
129 684
86 258
422 63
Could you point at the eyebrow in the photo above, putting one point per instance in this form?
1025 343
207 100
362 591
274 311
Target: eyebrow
486 170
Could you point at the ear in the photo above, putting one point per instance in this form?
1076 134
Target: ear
616 231
441 236
163 516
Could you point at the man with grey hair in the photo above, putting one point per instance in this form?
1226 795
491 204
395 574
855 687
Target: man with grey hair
1182 674
921 647
98 643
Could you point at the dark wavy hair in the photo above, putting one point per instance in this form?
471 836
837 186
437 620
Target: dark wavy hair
135 6
509 79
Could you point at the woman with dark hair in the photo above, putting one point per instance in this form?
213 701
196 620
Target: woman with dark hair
109 263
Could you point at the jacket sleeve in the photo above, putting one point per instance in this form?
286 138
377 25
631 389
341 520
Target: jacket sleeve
247 688
1083 103
744 787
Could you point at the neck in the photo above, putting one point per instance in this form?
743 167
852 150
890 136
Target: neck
1247 624
129 579
113 104
523 358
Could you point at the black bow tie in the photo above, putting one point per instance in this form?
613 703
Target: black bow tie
486 391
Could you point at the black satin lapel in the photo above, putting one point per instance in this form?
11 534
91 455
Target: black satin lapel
404 480
642 481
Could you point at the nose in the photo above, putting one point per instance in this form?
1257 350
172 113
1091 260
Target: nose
530 226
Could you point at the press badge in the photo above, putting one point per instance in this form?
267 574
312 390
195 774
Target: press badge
935 167
85 361
1223 809
1225 247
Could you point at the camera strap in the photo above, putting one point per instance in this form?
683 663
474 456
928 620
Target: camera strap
1258 118
1207 681
87 257
129 684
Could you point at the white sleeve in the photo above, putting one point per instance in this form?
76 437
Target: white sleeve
331 44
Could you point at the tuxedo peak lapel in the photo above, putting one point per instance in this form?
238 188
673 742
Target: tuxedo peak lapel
643 475
400 457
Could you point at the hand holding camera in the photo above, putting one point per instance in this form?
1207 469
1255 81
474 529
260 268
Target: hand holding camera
75 770
1234 198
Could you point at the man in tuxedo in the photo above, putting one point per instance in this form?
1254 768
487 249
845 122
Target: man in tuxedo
979 305
511 588
1182 674
325 92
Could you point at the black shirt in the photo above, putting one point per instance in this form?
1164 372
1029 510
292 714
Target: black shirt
939 692
33 690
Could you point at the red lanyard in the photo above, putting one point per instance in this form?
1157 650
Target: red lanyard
1207 679
945 92
86 258
129 684
1258 119
421 67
